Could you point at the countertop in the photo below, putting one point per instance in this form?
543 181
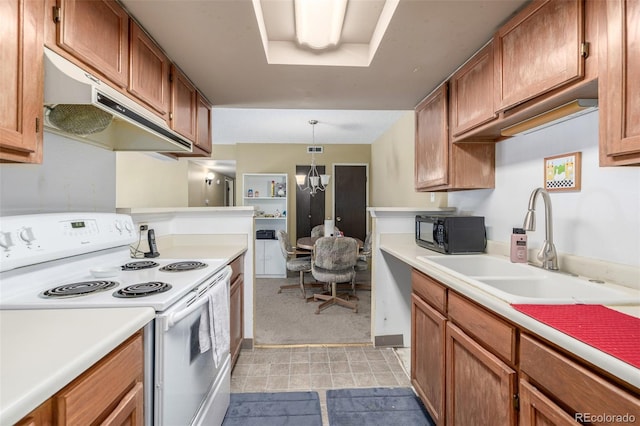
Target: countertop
403 247
42 351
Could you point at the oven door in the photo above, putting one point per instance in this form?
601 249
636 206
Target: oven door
189 388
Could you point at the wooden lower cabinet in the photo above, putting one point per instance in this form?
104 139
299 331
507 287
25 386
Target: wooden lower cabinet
428 356
236 311
538 410
480 388
111 392
578 390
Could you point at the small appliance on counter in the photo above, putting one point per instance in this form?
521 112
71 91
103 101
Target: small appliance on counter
265 234
451 234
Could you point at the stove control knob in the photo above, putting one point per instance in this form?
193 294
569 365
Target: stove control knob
118 226
128 226
26 235
5 240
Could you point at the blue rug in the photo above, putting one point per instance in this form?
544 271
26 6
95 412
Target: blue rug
274 409
376 406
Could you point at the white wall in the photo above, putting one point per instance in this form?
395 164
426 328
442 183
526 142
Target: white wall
602 221
391 171
73 176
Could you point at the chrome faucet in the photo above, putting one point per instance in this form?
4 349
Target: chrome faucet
547 254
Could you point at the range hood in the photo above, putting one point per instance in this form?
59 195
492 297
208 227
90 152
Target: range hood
80 106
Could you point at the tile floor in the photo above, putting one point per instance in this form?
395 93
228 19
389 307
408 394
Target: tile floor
317 368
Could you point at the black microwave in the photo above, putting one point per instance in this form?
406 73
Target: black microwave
451 234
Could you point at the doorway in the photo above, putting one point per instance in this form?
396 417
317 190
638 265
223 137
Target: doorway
350 194
229 192
309 208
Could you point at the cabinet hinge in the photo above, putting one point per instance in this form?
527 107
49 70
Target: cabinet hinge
170 116
516 402
37 124
170 78
56 14
584 49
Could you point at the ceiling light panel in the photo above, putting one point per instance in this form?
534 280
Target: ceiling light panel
365 22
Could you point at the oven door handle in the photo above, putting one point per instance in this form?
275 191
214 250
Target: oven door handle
174 317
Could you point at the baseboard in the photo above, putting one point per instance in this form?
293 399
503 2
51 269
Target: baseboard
391 340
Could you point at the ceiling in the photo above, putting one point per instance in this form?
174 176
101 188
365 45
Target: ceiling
217 43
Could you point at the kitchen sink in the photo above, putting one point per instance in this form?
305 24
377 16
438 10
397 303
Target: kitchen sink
526 284
483 266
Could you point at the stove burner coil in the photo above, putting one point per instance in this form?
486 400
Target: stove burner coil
141 264
78 289
142 289
183 266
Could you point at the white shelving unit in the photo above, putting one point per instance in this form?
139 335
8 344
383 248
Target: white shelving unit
271 215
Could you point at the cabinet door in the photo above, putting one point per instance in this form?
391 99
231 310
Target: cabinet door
203 138
21 80
183 105
129 411
472 93
274 262
41 416
428 357
149 75
260 255
480 387
97 33
538 410
237 317
92 395
619 91
538 50
432 141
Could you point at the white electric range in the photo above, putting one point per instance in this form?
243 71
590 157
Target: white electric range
84 260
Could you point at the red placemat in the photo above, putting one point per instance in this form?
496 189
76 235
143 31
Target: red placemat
610 331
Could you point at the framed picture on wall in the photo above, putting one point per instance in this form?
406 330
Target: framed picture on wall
563 172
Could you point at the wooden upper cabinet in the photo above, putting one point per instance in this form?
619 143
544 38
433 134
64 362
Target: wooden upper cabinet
149 72
183 105
432 140
619 90
97 33
203 139
472 93
538 50
21 82
441 165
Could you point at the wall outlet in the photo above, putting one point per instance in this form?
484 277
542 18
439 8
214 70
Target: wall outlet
144 227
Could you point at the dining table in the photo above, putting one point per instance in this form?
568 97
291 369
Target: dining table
307 243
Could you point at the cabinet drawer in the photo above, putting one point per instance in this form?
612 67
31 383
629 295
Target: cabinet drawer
575 387
430 290
490 330
90 396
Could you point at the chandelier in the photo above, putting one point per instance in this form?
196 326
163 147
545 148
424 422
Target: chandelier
314 181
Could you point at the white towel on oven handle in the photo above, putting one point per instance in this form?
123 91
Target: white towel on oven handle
214 330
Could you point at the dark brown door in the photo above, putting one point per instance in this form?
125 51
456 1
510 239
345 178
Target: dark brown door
350 186
309 209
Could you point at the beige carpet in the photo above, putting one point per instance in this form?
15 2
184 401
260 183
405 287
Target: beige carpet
285 318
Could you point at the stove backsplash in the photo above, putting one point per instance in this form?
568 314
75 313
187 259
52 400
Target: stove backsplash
73 176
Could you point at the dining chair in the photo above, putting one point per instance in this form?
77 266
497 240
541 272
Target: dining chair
363 262
318 231
294 263
333 261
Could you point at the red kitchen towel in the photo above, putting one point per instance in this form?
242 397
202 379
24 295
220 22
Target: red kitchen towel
610 331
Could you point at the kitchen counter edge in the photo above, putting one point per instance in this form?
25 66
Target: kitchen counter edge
403 247
76 338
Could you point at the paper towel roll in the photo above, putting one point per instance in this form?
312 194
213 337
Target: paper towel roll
328 228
